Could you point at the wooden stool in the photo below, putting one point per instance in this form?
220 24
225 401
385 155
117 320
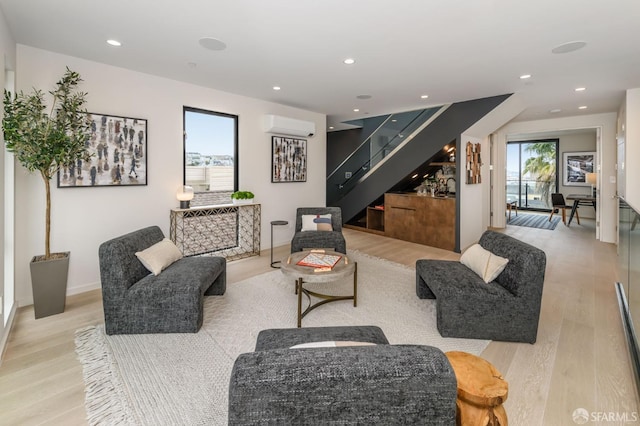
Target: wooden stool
481 391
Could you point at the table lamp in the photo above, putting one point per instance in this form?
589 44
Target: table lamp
592 178
184 195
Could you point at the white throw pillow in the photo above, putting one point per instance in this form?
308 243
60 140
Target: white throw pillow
316 222
331 344
484 263
159 256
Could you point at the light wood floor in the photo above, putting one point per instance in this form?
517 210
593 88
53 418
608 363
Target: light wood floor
579 361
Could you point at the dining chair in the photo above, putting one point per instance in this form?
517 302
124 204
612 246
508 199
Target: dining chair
558 204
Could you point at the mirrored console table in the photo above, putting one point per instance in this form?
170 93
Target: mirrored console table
227 230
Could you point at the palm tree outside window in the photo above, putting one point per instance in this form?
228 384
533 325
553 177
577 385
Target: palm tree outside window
532 173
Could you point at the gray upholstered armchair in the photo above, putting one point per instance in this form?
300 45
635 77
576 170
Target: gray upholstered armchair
506 309
365 385
306 239
136 301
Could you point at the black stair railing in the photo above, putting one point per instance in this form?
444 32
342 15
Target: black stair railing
395 130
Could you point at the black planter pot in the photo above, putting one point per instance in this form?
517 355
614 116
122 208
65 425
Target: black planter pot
49 285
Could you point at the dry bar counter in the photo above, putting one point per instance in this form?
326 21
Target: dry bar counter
422 219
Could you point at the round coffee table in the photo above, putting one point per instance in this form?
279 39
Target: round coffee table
309 274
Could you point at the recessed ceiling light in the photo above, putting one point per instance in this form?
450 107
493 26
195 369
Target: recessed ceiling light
414 176
570 46
424 96
276 87
349 61
356 110
113 42
212 43
525 76
394 121
582 107
580 89
330 127
555 111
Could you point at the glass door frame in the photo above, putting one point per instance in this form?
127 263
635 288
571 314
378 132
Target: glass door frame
520 194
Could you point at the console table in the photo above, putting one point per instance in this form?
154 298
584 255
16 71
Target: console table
227 230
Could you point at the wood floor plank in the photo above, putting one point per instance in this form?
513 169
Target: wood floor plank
579 360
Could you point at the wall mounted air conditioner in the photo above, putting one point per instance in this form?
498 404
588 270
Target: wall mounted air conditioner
288 126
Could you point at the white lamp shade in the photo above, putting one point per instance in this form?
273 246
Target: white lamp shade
184 193
592 178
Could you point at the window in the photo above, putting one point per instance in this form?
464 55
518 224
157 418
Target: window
210 150
531 173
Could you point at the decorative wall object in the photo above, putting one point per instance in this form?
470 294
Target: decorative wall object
474 161
118 148
289 159
576 165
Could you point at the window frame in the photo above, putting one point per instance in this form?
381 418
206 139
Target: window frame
236 162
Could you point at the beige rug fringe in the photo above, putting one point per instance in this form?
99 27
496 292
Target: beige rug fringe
105 401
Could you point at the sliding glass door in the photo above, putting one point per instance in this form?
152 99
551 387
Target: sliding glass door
531 173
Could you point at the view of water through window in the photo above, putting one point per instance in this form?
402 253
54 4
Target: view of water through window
531 173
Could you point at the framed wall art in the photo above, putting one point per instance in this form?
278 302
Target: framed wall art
474 162
118 148
576 165
289 159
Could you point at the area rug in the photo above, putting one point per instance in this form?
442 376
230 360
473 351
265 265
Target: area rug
539 221
182 379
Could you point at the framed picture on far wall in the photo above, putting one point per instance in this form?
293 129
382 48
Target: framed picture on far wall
576 165
118 149
289 159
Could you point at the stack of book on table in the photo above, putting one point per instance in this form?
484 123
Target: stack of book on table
319 260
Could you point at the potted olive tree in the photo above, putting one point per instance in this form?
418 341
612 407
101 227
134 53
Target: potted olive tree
44 143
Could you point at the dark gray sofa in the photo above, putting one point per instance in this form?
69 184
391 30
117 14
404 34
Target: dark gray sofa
369 385
136 301
506 309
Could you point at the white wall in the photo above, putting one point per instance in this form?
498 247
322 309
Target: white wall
632 147
607 205
475 205
474 198
7 290
82 218
621 127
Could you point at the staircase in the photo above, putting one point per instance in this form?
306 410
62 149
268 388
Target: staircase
401 146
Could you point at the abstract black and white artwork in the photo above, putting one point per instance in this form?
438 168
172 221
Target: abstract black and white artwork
289 159
576 167
118 149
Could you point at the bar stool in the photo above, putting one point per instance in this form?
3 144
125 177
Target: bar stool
275 223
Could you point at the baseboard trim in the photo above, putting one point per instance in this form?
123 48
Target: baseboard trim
632 341
7 331
83 288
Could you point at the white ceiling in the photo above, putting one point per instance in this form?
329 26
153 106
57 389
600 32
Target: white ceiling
451 50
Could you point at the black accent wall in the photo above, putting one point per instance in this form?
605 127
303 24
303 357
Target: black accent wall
445 128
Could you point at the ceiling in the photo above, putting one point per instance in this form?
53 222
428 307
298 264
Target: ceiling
450 50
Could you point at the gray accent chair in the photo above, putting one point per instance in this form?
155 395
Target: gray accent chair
319 239
135 301
365 385
506 309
